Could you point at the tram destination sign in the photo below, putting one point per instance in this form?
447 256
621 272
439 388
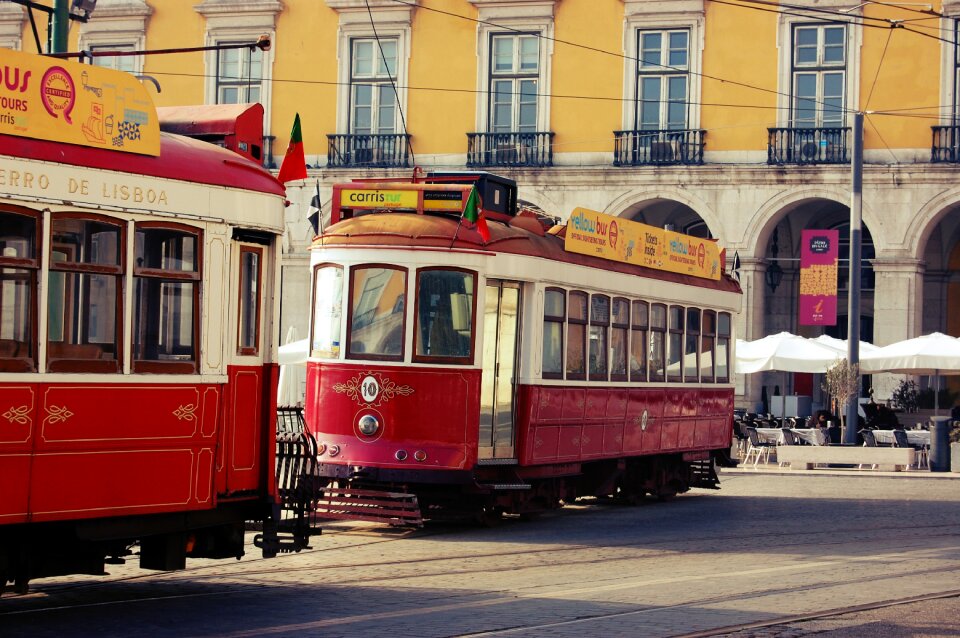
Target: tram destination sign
63 101
592 233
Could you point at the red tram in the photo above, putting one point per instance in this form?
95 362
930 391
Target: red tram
449 375
138 325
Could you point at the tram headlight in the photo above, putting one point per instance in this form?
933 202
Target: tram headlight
400 455
368 425
420 456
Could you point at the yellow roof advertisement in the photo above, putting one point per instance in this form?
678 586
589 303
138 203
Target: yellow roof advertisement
51 99
608 237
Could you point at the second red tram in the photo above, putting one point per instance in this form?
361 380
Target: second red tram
449 374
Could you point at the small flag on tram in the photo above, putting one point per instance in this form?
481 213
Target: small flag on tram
294 165
314 216
473 214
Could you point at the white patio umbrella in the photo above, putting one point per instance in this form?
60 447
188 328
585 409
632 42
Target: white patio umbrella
933 354
840 345
785 352
293 353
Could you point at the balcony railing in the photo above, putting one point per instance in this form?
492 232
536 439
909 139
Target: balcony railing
821 145
368 151
510 149
946 144
658 148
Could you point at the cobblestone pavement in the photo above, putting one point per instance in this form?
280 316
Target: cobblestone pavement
766 548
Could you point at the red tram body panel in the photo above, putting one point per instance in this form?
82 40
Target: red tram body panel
449 372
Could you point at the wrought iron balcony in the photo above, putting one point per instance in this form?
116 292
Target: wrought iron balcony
510 149
658 147
819 145
946 144
368 151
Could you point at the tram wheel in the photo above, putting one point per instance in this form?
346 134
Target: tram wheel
490 516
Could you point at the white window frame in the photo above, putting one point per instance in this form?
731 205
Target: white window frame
12 18
854 43
512 16
391 20
949 67
376 82
663 15
241 21
119 24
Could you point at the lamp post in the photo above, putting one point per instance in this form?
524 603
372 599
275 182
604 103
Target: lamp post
853 298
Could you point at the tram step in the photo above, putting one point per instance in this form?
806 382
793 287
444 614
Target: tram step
497 462
506 486
347 503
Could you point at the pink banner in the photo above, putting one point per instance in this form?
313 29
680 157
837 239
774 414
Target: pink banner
818 277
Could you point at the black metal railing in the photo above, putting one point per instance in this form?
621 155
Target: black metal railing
658 148
368 151
510 149
815 145
946 144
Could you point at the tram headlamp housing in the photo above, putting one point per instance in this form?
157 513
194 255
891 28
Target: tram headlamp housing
368 425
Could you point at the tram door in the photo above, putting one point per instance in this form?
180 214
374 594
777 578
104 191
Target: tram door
501 343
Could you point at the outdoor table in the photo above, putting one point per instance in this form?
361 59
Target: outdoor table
813 436
915 437
770 435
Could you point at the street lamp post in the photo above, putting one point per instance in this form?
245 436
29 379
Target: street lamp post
853 296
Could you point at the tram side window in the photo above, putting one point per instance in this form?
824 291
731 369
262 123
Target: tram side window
19 269
599 325
84 296
691 365
675 344
618 339
577 336
658 330
167 299
444 316
723 347
708 334
327 304
639 327
377 312
251 260
554 313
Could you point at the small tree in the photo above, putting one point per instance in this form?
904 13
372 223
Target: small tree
842 383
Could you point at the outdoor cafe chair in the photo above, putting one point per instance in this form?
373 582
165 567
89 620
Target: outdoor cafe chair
757 448
900 436
868 441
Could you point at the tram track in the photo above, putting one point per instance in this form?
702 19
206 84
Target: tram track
554 556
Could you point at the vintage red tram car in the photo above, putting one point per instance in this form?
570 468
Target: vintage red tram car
449 374
138 333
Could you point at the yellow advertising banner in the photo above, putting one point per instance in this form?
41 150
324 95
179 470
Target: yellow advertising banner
592 233
50 99
378 198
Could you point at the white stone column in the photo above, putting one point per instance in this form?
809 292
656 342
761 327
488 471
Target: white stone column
897 310
750 324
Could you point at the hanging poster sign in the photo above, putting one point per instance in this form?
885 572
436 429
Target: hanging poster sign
818 277
592 233
51 99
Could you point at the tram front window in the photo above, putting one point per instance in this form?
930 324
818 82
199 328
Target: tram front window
19 267
377 311
327 301
444 315
83 294
166 305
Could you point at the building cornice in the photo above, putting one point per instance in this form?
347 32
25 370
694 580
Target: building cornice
662 7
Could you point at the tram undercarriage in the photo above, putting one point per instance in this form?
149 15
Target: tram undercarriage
491 491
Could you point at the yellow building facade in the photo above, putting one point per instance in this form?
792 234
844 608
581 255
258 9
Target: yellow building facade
730 119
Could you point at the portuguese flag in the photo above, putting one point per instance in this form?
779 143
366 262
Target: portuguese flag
294 165
473 214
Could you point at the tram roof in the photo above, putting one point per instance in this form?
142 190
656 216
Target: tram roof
181 158
523 236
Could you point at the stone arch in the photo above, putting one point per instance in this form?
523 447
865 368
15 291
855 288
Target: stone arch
634 198
770 213
927 218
